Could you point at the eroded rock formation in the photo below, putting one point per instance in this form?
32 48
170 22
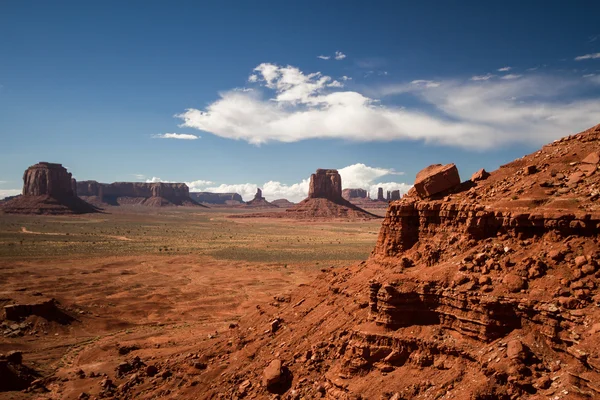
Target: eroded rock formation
380 194
259 201
48 188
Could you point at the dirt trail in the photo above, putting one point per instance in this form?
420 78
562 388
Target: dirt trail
25 230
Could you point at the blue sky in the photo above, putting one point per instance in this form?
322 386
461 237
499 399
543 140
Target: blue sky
93 85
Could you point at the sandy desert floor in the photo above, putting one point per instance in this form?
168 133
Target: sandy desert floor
161 280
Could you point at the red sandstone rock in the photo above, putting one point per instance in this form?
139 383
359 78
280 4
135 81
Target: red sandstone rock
380 194
136 193
480 175
435 179
272 375
592 158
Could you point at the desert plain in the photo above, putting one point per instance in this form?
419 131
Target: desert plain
156 280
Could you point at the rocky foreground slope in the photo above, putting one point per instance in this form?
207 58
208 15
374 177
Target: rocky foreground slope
485 290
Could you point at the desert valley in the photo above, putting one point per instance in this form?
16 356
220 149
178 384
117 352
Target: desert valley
298 200
484 288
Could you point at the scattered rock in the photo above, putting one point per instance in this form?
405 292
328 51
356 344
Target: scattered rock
435 179
480 175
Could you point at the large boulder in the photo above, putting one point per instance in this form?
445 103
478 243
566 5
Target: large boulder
435 179
325 184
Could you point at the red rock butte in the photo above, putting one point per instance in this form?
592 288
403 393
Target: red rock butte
325 199
48 188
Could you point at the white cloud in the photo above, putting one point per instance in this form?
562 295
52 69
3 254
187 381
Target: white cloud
591 56
184 136
511 76
253 78
482 77
324 57
425 83
504 69
193 185
339 55
346 78
465 113
9 192
155 179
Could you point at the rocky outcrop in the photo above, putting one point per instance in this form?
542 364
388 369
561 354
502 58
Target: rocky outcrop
136 193
217 198
351 194
380 194
325 184
435 179
48 188
395 195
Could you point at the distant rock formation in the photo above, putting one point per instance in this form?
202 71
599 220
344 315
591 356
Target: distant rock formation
136 193
350 194
325 199
259 201
217 198
283 203
380 194
395 195
48 188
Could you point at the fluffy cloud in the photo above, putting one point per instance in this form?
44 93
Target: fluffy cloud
339 55
465 113
511 76
182 136
353 176
504 69
591 56
9 192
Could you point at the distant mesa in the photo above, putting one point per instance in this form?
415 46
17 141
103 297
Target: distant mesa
217 198
325 199
136 193
283 203
350 194
259 201
48 188
380 194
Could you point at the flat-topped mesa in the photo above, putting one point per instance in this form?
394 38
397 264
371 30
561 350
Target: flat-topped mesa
47 179
216 198
395 195
326 184
120 193
350 194
380 194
